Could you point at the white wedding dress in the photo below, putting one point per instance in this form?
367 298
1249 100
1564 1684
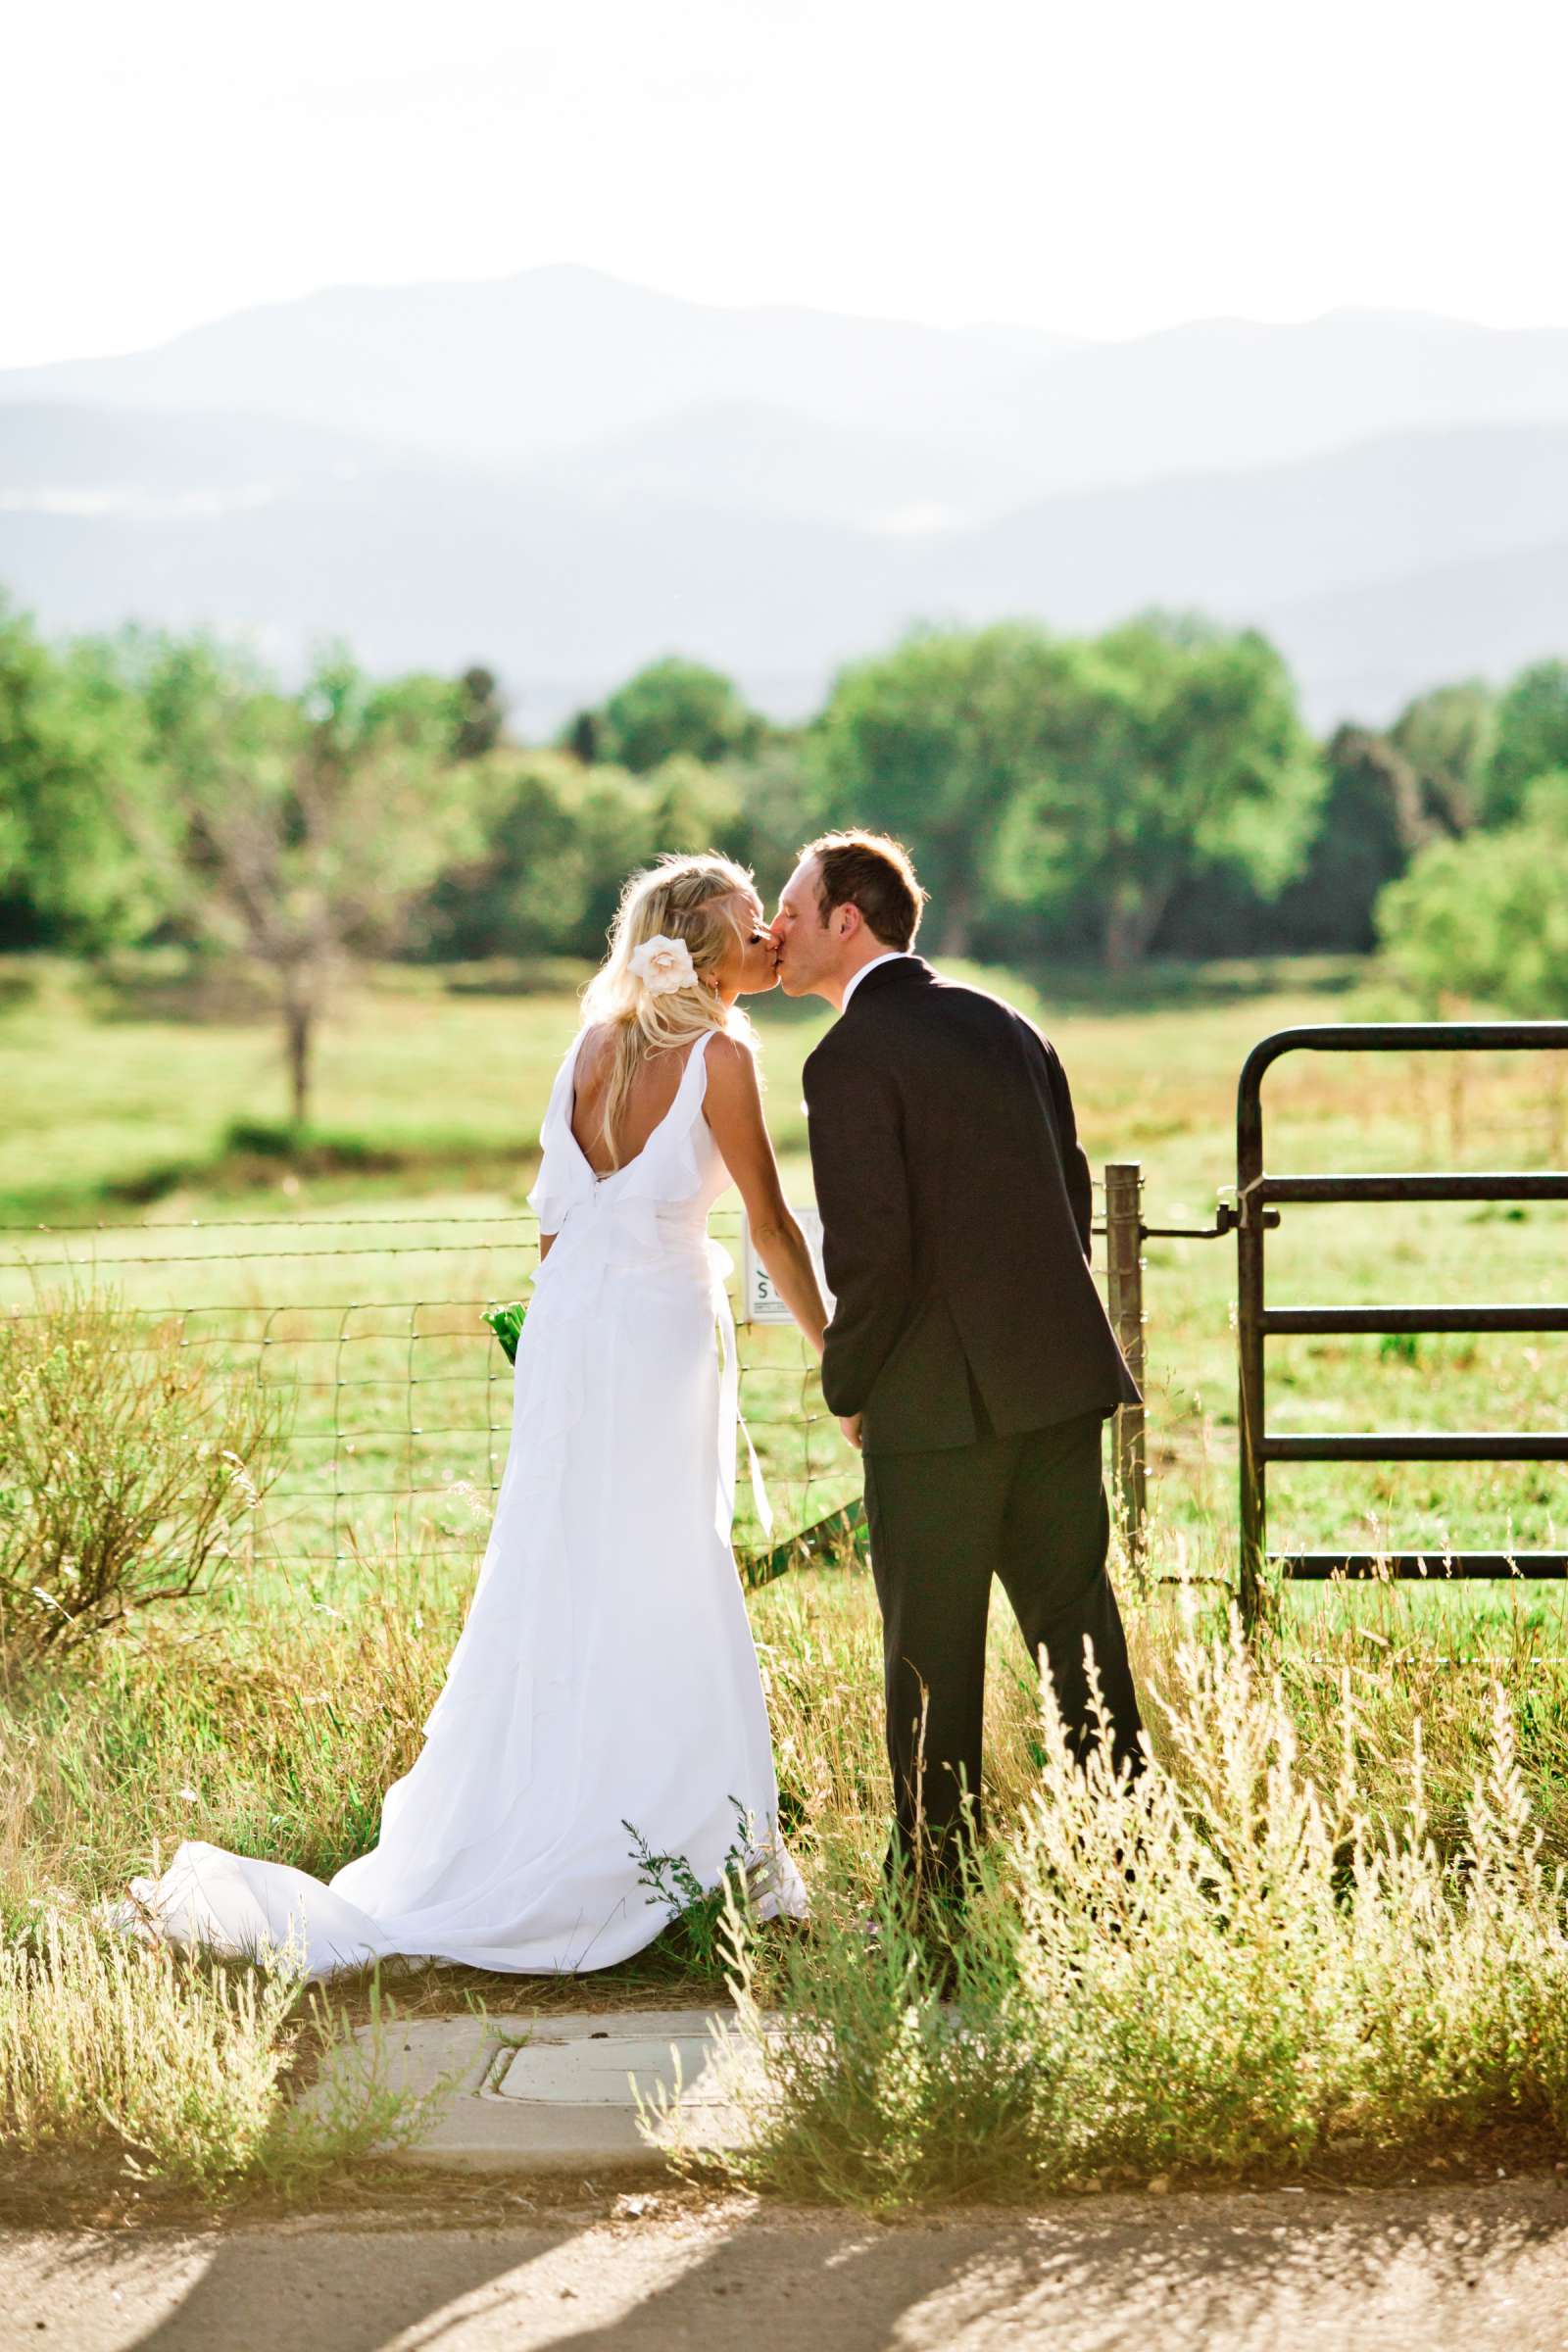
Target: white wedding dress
606 1675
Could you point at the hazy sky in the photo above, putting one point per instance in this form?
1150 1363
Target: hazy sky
1101 167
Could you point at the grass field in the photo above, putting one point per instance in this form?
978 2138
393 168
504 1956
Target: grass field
127 1101
270 1716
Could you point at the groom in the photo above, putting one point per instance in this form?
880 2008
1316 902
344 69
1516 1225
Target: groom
968 1354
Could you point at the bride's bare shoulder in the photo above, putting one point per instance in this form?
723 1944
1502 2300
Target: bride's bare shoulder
731 1068
593 1048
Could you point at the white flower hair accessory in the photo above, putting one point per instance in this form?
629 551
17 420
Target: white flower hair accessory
662 965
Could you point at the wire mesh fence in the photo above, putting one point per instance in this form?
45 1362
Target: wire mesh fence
399 1396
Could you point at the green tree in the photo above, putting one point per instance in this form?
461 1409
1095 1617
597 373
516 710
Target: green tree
482 717
1171 751
1487 919
670 708
581 736
1371 823
1448 737
692 807
75 755
629 820
521 890
1531 738
304 830
554 842
778 807
934 742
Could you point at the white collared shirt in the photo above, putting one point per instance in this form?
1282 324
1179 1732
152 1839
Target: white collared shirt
893 956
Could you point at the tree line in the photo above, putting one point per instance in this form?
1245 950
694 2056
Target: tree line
1153 790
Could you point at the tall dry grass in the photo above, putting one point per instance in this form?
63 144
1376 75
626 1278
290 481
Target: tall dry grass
267 1725
179 2069
270 1718
271 1727
1240 1960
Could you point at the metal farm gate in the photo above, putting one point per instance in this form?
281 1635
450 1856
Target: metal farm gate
1261 1195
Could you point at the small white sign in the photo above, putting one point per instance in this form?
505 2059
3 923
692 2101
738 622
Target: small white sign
760 1301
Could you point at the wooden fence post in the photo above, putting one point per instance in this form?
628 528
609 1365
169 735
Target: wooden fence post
1124 1264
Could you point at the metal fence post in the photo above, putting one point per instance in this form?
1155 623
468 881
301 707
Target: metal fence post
1124 1264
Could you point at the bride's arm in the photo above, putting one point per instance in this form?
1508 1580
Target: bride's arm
733 1107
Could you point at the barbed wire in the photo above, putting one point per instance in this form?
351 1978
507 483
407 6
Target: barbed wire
502 1216
251 1257
50 1226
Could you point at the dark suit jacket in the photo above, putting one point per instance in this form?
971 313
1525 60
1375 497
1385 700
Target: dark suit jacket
955 1205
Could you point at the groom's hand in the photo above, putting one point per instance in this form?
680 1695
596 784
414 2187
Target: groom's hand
850 1423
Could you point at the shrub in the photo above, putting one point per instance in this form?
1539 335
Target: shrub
128 1466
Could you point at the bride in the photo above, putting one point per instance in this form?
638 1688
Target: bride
604 1695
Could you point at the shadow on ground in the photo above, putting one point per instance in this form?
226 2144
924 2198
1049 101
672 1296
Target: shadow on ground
1379 2267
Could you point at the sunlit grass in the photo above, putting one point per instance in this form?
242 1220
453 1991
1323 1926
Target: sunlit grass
1255 1957
271 1717
269 1722
180 2071
449 1087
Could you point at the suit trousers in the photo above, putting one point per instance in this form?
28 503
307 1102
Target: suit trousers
1030 1509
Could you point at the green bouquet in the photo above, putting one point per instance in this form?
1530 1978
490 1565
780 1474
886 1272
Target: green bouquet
506 1324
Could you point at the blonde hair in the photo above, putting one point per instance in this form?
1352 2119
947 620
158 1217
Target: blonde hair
679 898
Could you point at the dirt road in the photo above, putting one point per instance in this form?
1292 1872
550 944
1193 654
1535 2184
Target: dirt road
1458 2265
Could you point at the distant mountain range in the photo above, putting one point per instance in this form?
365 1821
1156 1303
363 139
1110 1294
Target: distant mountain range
565 477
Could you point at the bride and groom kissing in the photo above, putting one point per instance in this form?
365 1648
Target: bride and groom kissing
605 1688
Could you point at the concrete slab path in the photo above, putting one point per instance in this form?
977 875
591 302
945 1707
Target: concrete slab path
1482 2265
543 2094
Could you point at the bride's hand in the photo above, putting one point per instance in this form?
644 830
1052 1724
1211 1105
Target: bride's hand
733 1108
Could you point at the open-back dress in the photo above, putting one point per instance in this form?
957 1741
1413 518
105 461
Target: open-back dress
604 1701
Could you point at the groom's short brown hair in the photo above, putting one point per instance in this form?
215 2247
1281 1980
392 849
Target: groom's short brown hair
874 872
